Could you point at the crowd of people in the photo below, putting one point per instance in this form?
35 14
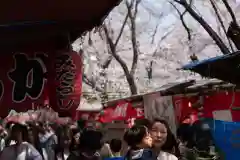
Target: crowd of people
148 140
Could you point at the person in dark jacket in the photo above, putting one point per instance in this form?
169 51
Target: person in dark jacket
90 143
140 142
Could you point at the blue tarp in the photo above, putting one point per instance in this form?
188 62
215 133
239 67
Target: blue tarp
227 138
192 65
218 67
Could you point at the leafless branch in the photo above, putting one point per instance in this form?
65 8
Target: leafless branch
136 8
151 12
154 33
230 11
181 16
112 47
107 62
224 49
91 83
221 22
121 30
113 50
159 42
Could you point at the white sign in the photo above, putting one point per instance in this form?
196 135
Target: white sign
223 115
160 107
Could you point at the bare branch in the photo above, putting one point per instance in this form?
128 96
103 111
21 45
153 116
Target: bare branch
107 62
121 30
181 16
129 77
91 83
224 49
230 11
159 42
154 33
136 8
221 22
109 59
113 50
151 12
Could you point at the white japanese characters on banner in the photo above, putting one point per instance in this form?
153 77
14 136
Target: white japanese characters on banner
120 110
156 106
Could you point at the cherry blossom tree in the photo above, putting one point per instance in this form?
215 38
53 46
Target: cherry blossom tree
142 42
108 42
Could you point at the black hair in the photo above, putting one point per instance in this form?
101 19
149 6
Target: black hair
63 132
75 131
116 145
91 139
202 137
135 135
22 129
184 132
9 124
143 122
171 142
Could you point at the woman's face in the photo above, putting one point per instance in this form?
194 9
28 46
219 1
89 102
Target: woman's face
159 134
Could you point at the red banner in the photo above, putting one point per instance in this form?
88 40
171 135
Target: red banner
23 81
123 111
25 76
223 103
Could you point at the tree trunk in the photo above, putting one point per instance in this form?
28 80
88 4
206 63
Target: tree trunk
132 84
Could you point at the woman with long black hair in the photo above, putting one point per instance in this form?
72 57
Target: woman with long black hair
165 145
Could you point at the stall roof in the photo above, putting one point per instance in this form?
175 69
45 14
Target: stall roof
21 22
226 67
187 87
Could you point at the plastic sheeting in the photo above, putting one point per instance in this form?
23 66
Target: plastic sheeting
227 138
